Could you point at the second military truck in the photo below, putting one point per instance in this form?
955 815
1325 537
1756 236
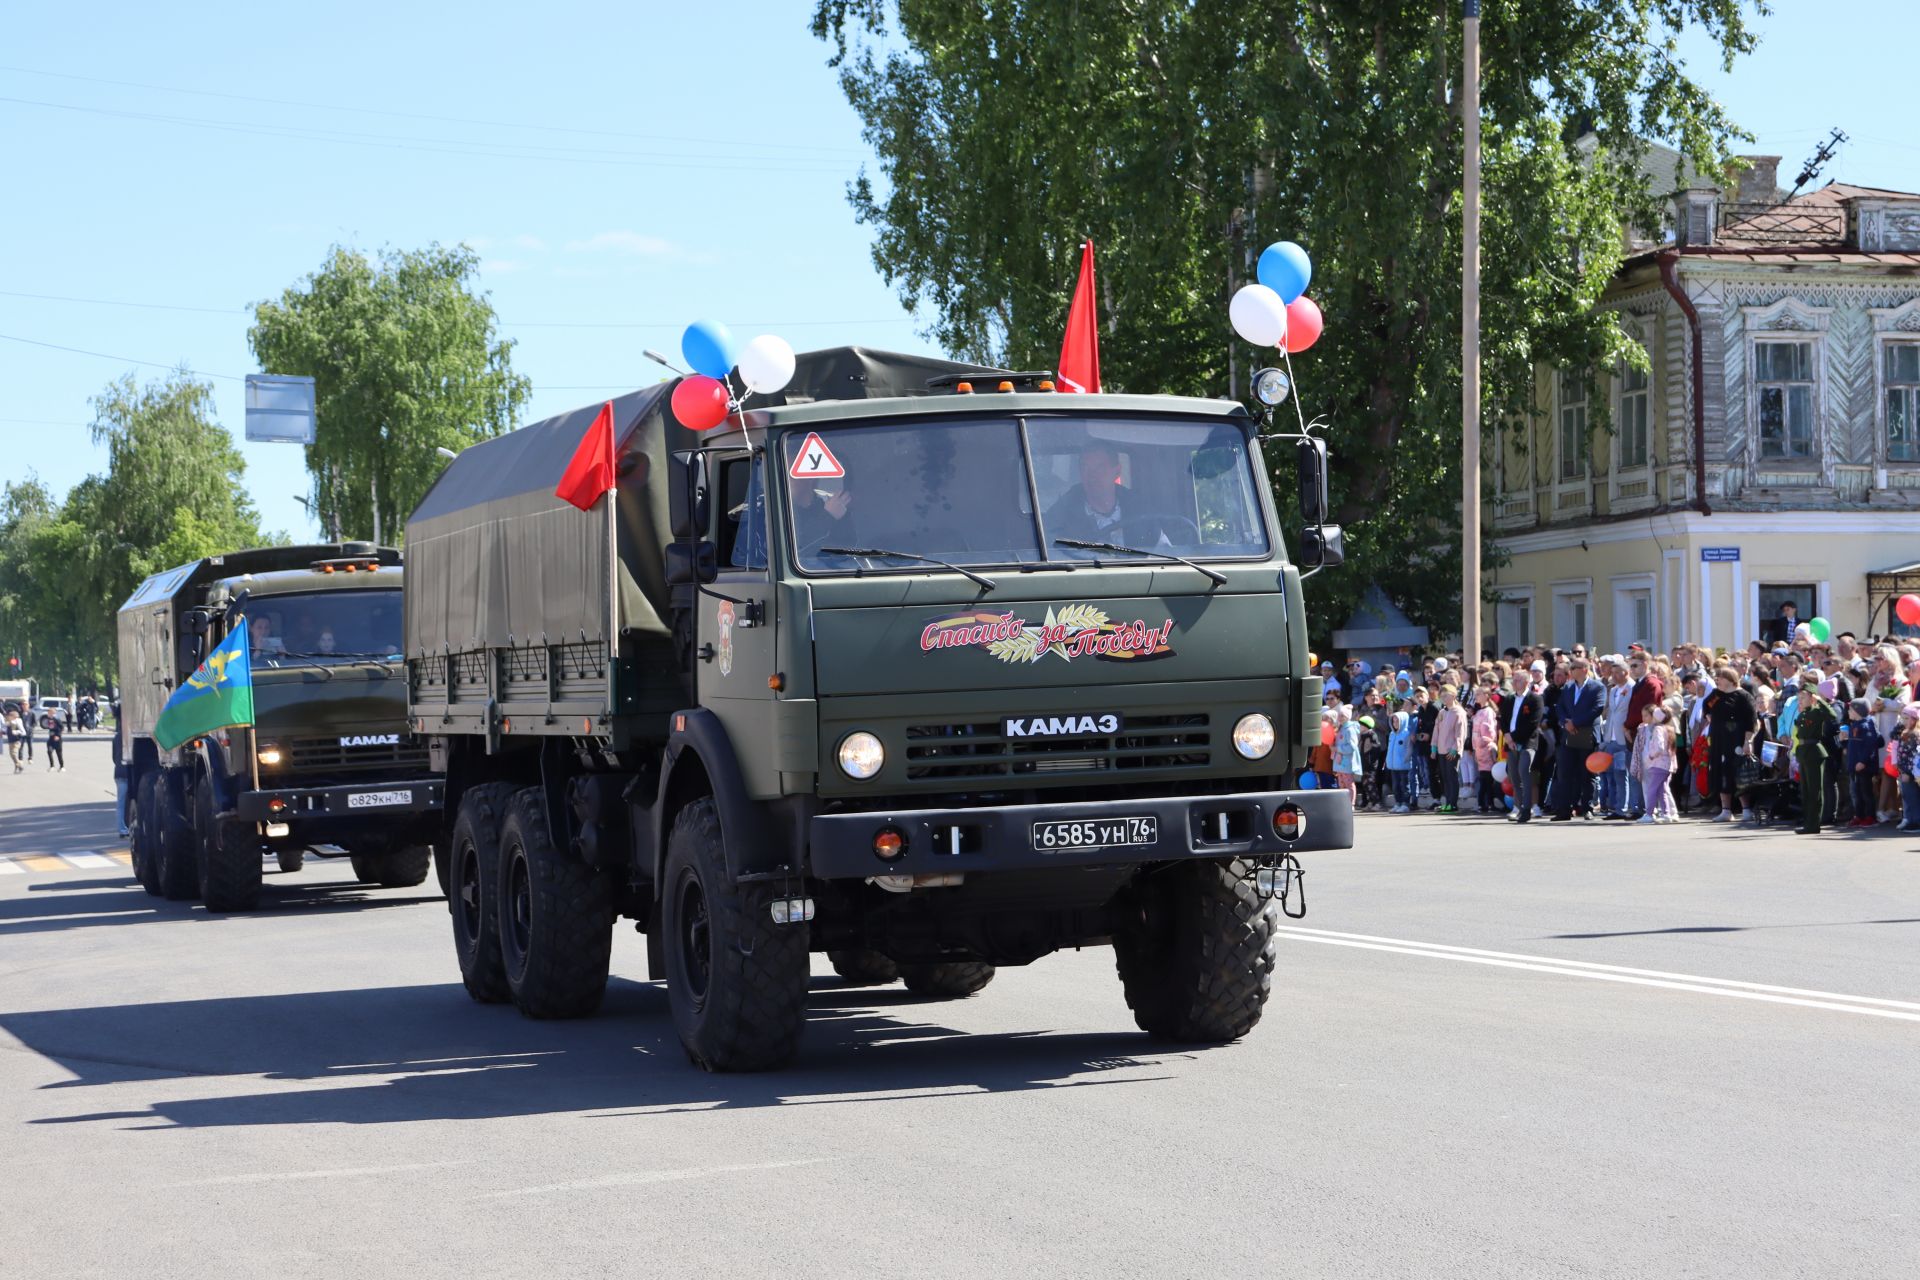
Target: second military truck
328 760
918 664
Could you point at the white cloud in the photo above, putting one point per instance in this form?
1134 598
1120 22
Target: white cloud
500 266
629 243
533 244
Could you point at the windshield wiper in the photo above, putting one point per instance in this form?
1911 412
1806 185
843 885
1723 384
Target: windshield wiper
980 578
299 660
1220 579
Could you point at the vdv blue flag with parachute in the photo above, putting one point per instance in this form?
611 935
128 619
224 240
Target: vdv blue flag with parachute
218 695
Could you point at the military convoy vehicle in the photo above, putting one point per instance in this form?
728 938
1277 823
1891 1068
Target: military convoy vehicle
328 761
917 664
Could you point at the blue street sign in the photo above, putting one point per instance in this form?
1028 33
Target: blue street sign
1720 555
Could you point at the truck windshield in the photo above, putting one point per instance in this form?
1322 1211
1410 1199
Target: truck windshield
1000 492
325 626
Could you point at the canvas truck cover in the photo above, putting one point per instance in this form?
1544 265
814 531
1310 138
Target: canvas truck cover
495 559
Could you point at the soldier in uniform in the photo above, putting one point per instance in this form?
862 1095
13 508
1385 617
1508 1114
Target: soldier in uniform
1814 727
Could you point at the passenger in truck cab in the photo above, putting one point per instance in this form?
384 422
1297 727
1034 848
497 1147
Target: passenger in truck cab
822 514
260 635
1091 509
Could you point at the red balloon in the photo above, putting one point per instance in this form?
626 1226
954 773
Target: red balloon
1908 607
1303 325
700 402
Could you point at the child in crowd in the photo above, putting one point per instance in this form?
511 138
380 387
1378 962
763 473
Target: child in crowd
1449 737
1346 755
1320 759
1373 758
1863 760
1653 750
1486 743
1906 759
1400 761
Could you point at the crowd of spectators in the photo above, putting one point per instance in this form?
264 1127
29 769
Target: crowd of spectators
1818 733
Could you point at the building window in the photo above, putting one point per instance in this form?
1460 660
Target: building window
1783 377
1573 425
1635 407
1903 401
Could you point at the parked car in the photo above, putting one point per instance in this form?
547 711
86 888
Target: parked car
48 710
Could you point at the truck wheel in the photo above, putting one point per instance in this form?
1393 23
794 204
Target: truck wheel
229 857
1195 950
140 820
175 864
400 869
863 968
736 981
442 866
556 918
953 980
473 865
291 860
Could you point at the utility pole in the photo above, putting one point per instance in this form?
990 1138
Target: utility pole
1470 340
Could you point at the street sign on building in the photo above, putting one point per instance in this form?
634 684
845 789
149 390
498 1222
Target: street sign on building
1719 555
280 408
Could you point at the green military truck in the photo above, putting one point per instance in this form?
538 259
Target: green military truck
328 761
916 664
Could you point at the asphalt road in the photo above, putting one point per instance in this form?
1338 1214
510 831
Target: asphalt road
1574 1050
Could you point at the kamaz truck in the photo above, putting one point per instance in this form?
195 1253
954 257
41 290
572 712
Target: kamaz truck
921 665
328 761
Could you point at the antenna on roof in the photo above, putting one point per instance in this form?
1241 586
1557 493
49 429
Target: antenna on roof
1818 161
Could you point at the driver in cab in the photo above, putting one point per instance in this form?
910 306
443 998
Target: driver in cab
1093 509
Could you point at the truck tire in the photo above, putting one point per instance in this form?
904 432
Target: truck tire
473 867
1195 951
864 968
141 821
290 859
442 866
951 980
399 869
556 917
229 857
175 864
736 981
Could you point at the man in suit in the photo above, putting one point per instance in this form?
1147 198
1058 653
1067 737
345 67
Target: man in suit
1779 630
1092 510
1521 714
1579 706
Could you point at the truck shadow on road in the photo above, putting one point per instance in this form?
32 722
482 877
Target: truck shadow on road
400 1054
60 828
61 905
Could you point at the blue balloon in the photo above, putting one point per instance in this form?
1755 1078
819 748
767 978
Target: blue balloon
1309 781
1286 269
708 348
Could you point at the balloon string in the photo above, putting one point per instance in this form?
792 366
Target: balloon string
1286 358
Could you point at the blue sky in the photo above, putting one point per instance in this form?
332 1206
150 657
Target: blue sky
661 164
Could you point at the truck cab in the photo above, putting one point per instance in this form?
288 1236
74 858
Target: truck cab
327 761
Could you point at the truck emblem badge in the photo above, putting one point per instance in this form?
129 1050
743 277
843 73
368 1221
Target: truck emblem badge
372 740
1059 726
814 461
1070 631
726 637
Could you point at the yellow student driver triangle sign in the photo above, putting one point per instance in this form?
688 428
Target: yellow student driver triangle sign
815 461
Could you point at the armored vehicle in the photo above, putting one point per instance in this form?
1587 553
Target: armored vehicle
328 761
917 664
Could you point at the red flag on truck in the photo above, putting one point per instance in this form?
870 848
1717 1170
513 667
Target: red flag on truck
1080 351
590 473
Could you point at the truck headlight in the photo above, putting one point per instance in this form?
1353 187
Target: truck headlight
861 755
270 755
1253 735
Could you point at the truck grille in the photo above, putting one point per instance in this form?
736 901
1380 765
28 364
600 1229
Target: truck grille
981 751
326 755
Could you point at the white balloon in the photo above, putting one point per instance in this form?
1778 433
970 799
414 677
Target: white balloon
766 364
1258 315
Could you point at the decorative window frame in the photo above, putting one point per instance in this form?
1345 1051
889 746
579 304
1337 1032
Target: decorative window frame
1570 589
1890 325
1514 492
1582 484
1520 593
1617 472
1621 586
1788 320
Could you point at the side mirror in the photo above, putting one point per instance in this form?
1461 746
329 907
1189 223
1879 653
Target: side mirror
1313 481
197 621
1323 547
688 504
192 649
691 563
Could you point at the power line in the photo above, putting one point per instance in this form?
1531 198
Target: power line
416 115
106 355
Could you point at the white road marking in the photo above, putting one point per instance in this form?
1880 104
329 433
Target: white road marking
301 1175
88 861
8 867
650 1177
1871 1006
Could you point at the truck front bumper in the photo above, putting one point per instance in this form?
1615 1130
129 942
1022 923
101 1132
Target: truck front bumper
841 845
359 800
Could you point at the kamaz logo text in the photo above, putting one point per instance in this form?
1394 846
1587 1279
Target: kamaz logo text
372 740
1059 726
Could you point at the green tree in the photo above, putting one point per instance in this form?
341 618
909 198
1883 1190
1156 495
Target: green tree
1184 135
404 360
25 507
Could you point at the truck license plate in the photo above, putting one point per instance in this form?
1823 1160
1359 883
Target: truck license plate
378 799
1095 833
